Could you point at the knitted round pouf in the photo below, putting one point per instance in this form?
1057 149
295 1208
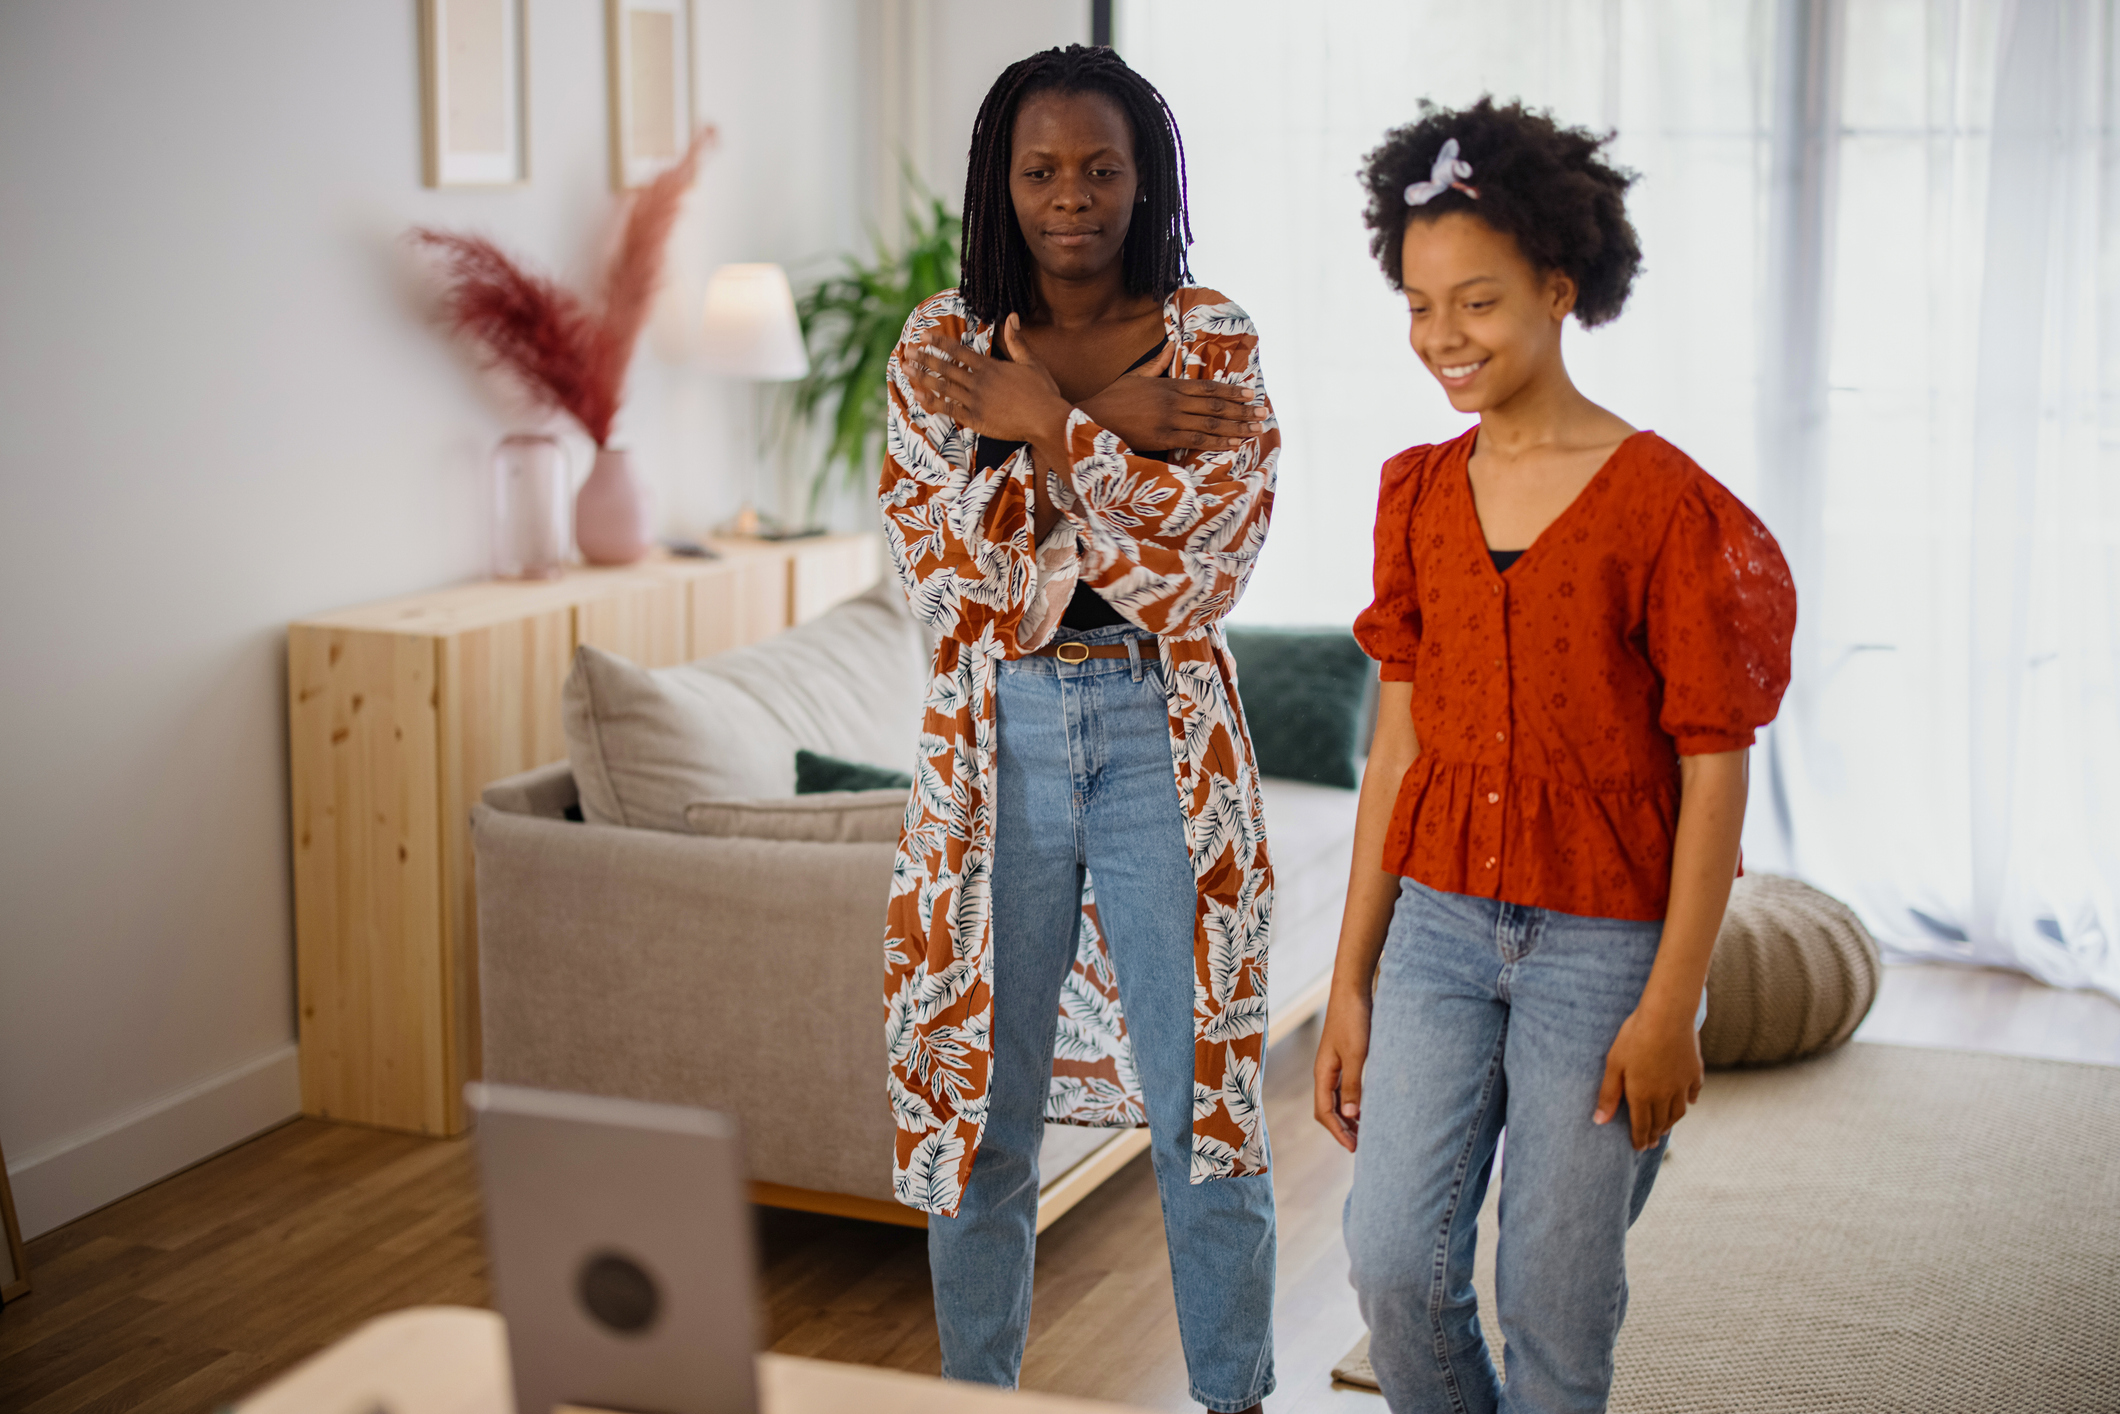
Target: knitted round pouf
1794 974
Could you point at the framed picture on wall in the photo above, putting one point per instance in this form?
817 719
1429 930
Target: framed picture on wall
473 92
650 48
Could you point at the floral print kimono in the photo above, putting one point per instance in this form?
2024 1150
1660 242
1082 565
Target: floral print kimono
1170 546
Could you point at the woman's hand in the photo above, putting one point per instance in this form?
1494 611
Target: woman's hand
1336 1076
1151 411
1654 1065
1013 401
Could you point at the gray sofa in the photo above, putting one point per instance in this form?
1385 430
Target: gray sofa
745 974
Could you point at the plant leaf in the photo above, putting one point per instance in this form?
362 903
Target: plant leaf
851 323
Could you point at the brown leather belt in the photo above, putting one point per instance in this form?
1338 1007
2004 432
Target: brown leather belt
1077 652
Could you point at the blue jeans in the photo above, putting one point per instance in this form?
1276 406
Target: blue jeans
1084 782
1489 1015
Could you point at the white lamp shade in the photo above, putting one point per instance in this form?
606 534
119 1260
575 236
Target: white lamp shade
752 331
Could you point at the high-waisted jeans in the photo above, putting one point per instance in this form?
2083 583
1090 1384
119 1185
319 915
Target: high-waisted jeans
1490 1014
1084 782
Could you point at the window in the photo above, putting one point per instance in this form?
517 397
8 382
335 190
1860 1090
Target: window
1881 303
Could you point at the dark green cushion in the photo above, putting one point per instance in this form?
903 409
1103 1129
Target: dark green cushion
815 774
1307 695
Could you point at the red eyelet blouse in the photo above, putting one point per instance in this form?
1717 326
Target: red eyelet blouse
1651 620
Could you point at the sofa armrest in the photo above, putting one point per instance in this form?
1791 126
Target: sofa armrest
742 975
548 792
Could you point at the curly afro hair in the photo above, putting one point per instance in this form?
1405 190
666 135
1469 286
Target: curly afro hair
1542 184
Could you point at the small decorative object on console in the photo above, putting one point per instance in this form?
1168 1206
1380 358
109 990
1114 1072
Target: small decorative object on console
571 356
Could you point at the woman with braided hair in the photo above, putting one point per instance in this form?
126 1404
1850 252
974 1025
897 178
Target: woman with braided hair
1079 474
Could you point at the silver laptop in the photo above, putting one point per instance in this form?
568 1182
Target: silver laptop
620 1240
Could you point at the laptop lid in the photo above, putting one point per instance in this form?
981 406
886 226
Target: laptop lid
620 1239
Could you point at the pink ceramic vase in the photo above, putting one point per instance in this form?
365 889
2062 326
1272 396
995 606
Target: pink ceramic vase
611 511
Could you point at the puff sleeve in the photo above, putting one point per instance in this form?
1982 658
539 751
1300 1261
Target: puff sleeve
1721 612
1389 630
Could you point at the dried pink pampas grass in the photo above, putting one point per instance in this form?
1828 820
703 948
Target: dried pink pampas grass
566 354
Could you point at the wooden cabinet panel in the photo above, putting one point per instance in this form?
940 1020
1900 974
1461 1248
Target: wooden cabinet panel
399 714
643 621
367 864
741 599
500 696
500 714
823 573
712 609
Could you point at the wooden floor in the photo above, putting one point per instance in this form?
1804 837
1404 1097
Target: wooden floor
1987 1009
188 1295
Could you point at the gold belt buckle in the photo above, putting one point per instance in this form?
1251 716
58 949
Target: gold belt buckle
1072 652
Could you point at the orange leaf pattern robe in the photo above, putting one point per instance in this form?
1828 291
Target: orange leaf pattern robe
1170 546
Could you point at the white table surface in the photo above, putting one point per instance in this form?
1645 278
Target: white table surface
454 1360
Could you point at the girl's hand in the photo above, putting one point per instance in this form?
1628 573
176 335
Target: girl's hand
1148 410
1343 1049
1654 1065
1014 401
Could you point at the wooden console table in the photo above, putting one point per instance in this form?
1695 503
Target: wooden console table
399 714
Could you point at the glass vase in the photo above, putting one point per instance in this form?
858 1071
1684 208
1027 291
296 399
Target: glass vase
530 531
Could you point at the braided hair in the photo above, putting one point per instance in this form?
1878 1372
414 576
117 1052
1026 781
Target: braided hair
999 277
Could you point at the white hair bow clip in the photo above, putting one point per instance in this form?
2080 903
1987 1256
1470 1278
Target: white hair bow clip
1442 177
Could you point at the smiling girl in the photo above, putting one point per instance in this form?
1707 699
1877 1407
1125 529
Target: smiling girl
1580 632
1079 474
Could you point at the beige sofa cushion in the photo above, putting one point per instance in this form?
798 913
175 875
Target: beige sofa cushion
646 744
829 817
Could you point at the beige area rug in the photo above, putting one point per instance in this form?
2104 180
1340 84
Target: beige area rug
1883 1229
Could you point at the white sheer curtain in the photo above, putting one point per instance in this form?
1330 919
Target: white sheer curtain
1882 303
1948 759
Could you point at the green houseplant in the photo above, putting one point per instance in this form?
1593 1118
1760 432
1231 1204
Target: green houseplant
851 322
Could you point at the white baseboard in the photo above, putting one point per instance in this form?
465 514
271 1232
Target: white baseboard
62 1180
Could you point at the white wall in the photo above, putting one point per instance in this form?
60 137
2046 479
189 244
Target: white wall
973 42
940 57
219 410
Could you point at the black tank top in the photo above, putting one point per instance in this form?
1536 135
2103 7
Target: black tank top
1087 609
